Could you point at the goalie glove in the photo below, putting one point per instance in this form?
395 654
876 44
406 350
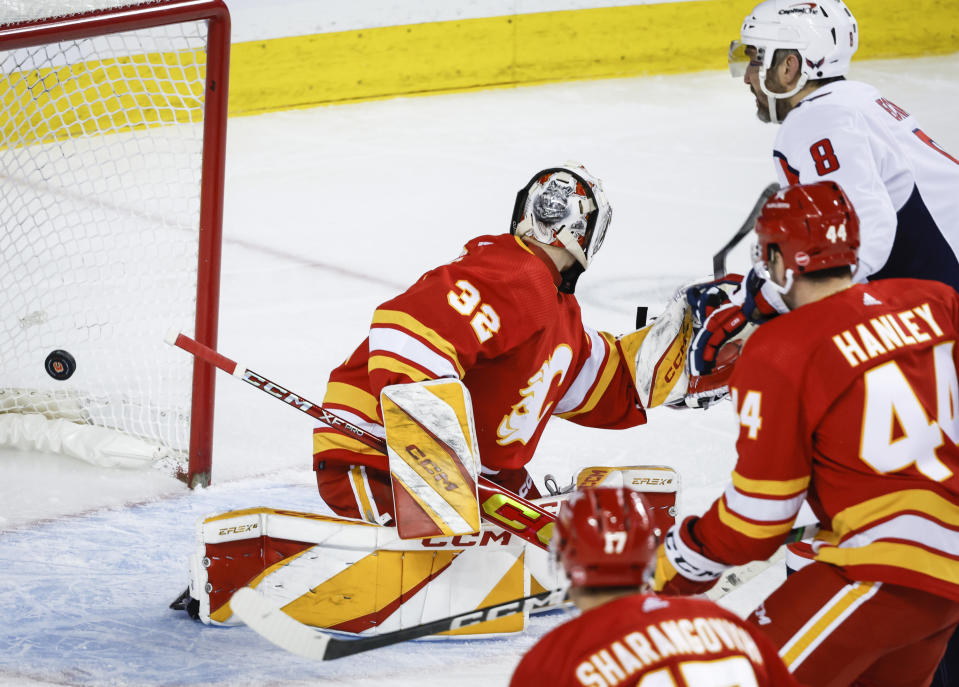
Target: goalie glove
656 354
433 457
681 567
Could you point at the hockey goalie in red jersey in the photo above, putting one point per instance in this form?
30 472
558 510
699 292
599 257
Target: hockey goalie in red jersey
851 401
503 319
606 544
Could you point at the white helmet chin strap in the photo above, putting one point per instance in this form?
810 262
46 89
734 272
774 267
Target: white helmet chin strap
772 97
565 236
779 289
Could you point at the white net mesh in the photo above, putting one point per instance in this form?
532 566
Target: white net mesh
15 11
100 170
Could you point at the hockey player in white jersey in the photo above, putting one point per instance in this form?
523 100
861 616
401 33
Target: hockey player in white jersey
794 57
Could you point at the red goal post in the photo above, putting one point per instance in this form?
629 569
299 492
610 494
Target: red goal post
112 154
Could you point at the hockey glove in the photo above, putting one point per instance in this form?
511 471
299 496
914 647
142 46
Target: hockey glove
705 300
681 567
761 301
711 357
705 297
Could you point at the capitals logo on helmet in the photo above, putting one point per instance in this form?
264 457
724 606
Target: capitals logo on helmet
824 33
604 538
564 206
813 226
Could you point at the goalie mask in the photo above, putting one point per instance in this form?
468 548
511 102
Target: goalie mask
564 206
813 226
604 538
824 33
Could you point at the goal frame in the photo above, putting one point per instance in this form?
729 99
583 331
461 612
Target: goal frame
135 17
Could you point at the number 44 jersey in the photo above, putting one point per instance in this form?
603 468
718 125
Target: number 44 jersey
494 317
851 402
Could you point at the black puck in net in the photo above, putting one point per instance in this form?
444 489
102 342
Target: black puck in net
60 365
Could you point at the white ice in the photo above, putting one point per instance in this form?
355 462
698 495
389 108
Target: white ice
330 211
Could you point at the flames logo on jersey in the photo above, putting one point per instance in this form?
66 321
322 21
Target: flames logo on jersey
526 416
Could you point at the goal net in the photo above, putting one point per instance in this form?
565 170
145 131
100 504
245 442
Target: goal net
111 179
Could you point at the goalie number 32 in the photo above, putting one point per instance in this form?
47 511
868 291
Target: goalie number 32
485 321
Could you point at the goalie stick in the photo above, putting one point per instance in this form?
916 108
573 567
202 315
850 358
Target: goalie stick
719 260
498 505
271 623
737 576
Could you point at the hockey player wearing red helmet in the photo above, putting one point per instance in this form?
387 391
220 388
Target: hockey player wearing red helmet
849 401
605 542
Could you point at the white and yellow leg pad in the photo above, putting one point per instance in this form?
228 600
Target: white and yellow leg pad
434 458
659 484
354 577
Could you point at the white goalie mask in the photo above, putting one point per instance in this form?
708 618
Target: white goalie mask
564 206
824 33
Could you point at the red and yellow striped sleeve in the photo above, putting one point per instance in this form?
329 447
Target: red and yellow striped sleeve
773 471
602 393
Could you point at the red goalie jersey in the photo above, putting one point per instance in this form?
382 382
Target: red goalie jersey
646 639
494 317
853 403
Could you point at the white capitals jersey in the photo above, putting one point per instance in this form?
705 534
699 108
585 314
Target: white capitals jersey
904 187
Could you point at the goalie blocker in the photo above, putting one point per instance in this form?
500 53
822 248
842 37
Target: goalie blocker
355 577
434 458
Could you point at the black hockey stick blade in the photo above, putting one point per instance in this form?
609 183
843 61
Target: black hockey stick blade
262 615
642 312
719 260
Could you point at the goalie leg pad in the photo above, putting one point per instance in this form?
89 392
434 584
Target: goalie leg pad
434 458
659 485
353 577
356 491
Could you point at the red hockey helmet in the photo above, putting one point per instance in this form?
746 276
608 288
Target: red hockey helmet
814 226
604 538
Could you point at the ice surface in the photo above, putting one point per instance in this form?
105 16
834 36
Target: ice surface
330 211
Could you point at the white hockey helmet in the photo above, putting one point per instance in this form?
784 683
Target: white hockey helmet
564 206
824 33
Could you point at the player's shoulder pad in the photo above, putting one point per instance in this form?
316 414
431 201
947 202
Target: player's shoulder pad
783 344
829 109
506 262
493 262
498 257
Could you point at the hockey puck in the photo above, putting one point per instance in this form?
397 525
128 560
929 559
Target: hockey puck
60 365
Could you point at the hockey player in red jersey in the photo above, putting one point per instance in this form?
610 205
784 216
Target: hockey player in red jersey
794 56
850 400
606 544
502 317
